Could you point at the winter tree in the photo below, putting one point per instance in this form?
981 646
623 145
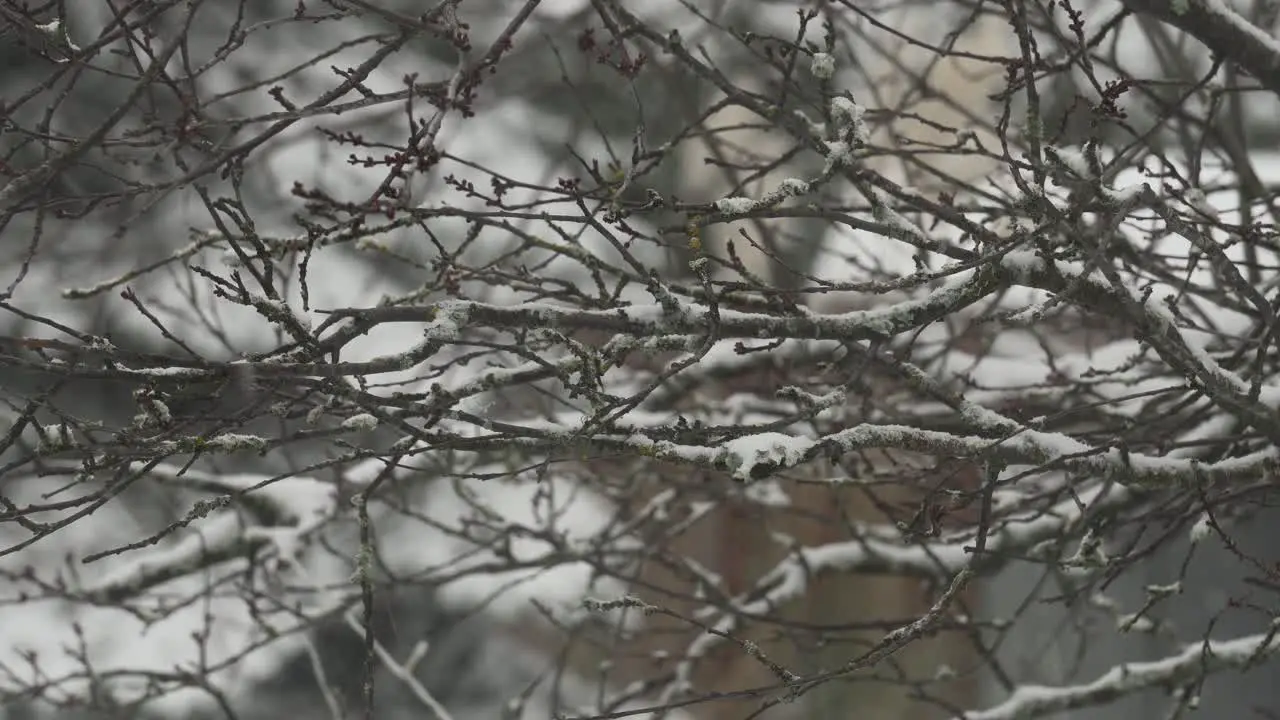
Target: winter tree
603 359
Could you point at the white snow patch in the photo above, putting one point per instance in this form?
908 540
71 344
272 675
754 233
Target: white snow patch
823 66
363 421
745 454
735 205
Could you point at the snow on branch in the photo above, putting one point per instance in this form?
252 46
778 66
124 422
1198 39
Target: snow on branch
881 550
1154 321
754 457
1186 668
285 515
1222 30
649 320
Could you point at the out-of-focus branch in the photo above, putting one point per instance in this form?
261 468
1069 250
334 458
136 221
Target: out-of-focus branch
296 508
49 39
1186 668
1222 30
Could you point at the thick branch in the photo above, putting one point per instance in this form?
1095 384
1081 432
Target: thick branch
1223 31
